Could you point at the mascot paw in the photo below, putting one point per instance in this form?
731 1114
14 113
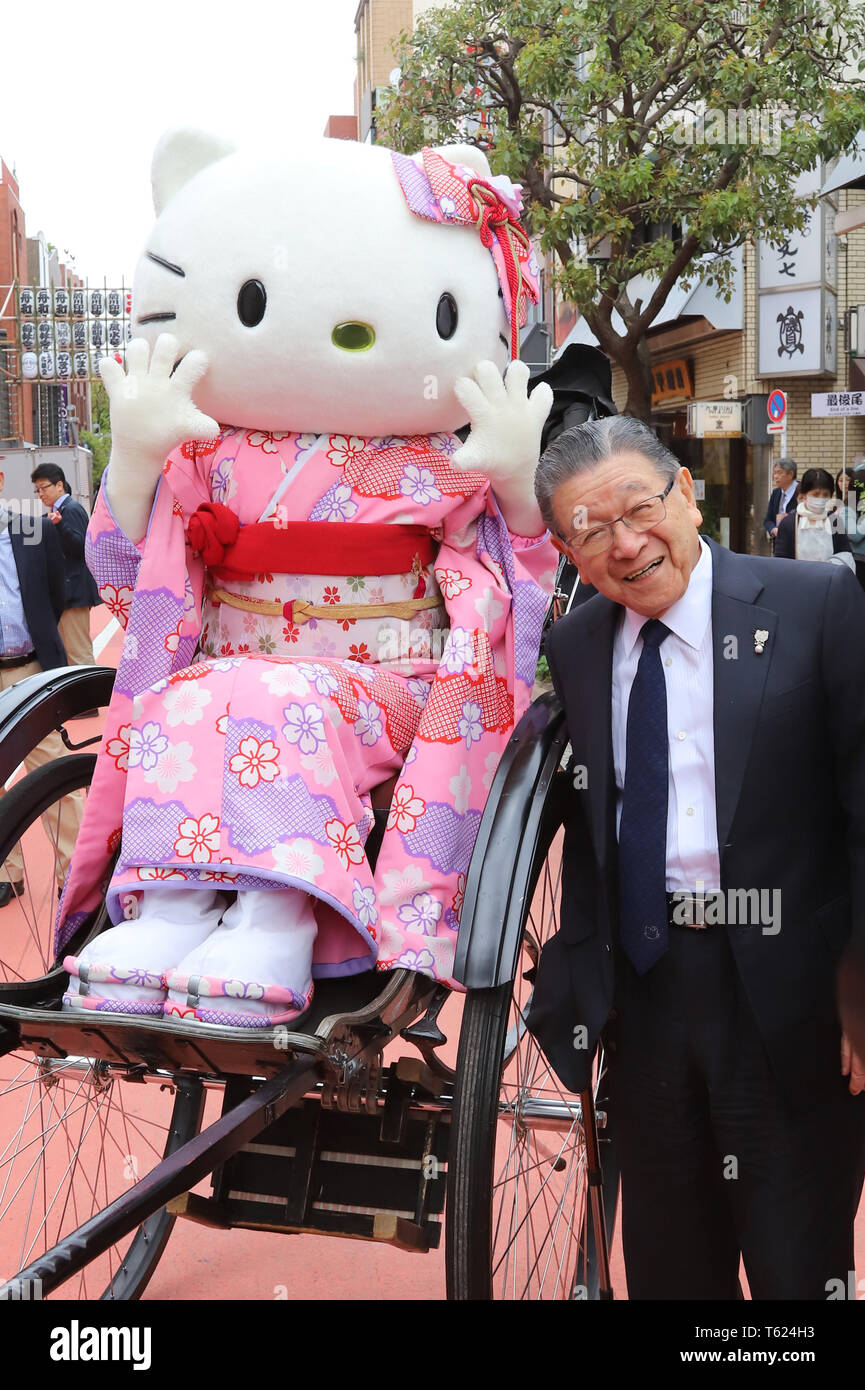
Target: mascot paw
151 403
506 421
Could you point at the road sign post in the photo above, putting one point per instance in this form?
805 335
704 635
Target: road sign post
776 409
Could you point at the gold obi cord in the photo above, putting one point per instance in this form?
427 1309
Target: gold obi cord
299 611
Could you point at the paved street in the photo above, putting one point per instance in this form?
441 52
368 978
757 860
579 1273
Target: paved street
200 1263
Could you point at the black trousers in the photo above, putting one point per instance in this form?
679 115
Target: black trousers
714 1163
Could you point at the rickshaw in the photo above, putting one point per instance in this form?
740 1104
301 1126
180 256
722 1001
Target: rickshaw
362 1124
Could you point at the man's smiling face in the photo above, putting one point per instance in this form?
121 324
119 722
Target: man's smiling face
648 570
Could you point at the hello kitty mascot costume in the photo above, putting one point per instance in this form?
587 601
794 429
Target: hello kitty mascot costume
322 588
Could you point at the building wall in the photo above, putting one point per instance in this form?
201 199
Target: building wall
815 442
17 403
378 25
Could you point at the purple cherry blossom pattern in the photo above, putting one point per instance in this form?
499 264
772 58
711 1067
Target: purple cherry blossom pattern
421 914
145 746
459 651
321 677
419 484
304 725
421 961
339 504
364 904
470 726
369 725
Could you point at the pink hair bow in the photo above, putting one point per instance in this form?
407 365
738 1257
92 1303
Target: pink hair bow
444 192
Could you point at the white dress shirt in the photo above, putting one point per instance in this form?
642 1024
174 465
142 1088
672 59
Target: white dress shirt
786 495
15 639
693 862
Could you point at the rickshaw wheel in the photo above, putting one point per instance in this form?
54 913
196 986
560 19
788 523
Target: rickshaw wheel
517 1222
75 1132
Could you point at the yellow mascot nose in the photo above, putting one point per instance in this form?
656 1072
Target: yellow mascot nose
353 337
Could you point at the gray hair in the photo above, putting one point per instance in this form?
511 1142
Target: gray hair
583 447
788 465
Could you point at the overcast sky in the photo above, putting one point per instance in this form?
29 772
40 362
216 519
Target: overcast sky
88 87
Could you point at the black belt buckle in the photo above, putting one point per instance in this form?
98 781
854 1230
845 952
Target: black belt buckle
689 909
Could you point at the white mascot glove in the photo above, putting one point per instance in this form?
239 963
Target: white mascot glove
151 413
505 439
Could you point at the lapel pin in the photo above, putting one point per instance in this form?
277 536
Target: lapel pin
761 637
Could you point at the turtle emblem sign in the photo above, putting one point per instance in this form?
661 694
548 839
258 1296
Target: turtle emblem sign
790 332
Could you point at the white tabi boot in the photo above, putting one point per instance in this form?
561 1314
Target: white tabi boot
255 970
123 969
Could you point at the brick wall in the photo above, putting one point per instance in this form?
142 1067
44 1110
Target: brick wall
810 442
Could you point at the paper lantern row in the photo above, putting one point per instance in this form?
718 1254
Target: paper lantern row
62 366
78 304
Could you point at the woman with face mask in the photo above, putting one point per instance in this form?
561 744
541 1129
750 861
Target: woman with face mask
815 531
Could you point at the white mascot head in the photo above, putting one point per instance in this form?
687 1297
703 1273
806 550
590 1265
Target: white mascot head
326 294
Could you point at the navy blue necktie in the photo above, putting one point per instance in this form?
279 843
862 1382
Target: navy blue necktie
643 825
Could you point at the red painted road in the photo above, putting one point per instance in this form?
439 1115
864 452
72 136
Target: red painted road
200 1263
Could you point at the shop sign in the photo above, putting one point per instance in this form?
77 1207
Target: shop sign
797 320
837 403
715 419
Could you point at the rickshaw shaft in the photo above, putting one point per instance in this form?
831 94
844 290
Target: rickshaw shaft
173 1175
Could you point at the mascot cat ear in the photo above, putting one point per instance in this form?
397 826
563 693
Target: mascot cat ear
180 154
466 154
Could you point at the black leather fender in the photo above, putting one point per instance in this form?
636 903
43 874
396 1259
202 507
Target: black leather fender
33 707
514 826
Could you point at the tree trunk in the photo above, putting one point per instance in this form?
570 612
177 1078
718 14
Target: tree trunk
638 374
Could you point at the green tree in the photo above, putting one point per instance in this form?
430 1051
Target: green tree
651 137
98 440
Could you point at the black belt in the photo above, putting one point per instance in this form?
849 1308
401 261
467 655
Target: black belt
688 909
8 662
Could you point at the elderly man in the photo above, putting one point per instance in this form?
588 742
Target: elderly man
700 930
783 498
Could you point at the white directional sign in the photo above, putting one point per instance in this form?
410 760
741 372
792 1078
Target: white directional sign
837 403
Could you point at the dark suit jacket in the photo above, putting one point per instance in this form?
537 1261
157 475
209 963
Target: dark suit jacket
785 541
42 579
796 823
81 590
774 507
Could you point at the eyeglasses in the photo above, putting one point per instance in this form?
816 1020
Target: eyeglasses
39 488
645 516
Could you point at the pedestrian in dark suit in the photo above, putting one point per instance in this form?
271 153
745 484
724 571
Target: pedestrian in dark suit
701 929
784 497
71 521
32 595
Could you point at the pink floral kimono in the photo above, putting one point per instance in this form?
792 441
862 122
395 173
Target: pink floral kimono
252 716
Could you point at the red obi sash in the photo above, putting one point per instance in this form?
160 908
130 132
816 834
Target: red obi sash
232 551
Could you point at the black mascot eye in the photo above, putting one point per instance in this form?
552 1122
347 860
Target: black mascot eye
251 303
446 316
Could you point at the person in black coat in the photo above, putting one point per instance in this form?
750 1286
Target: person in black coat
32 596
71 520
700 931
784 496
